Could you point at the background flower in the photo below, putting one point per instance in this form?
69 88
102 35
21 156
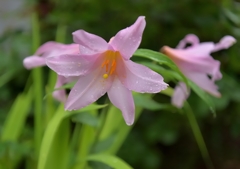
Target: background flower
51 49
197 64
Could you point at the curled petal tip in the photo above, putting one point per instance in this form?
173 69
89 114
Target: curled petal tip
224 43
218 95
164 49
67 108
228 41
141 17
164 86
33 61
129 123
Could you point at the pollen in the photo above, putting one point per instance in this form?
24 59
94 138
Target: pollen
105 76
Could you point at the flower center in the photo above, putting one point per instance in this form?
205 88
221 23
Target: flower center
110 62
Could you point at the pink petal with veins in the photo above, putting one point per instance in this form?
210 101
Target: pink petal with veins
141 79
204 82
69 65
89 43
87 90
128 40
122 98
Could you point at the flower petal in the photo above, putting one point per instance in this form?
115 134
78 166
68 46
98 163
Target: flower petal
51 48
203 65
34 61
180 95
224 43
190 38
87 90
60 95
128 40
47 47
89 43
188 61
69 65
204 82
122 98
201 50
140 78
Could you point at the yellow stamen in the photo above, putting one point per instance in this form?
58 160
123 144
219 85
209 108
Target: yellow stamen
105 76
107 65
110 62
113 67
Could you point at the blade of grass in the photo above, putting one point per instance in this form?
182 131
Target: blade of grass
86 139
110 160
52 129
16 118
7 76
123 131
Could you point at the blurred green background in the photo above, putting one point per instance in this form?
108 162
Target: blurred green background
159 139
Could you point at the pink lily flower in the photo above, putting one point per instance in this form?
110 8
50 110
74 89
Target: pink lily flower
106 67
50 49
197 64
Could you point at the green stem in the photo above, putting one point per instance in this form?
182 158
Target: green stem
37 84
87 135
198 136
60 37
50 109
61 33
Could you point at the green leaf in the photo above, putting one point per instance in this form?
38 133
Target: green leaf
16 118
8 75
66 86
85 141
110 160
233 17
52 131
119 129
147 103
204 96
169 75
111 123
161 59
86 118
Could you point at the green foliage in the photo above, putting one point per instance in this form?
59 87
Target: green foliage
110 160
97 136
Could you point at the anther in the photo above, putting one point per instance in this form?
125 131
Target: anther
105 76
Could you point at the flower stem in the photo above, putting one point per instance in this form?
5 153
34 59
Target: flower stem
37 84
198 136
